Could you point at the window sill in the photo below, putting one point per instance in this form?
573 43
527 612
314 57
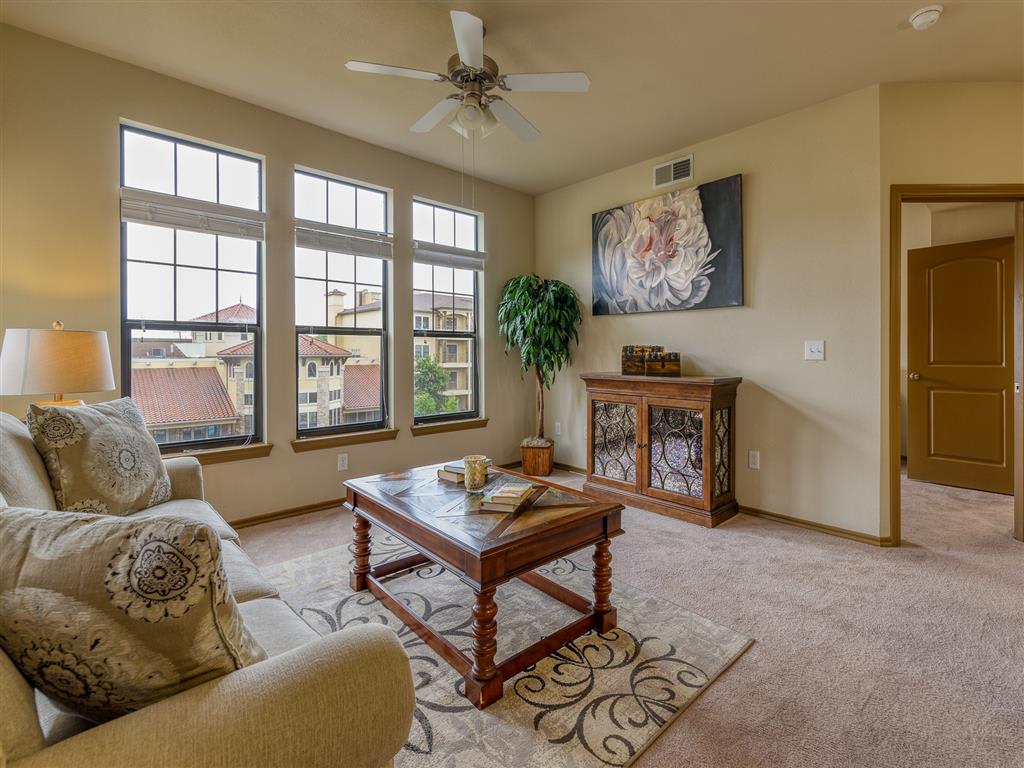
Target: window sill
228 453
447 426
302 444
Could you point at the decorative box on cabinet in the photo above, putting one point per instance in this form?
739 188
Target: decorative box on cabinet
663 444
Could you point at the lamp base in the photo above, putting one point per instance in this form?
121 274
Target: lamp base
58 403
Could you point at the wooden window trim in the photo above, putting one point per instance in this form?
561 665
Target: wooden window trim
418 430
225 454
303 444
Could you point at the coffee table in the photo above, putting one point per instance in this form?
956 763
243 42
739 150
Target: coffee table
444 524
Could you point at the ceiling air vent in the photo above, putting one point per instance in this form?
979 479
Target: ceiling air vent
674 171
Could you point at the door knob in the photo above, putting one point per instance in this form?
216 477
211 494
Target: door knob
914 377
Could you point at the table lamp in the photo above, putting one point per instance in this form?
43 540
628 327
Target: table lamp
35 361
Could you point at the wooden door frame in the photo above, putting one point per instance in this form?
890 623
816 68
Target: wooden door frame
949 193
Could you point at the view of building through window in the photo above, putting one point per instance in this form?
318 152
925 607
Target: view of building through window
340 310
444 318
192 316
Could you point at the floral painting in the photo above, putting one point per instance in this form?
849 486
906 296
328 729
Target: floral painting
680 250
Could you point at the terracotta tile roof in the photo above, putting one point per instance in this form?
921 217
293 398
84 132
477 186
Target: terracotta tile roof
236 313
308 347
175 395
361 387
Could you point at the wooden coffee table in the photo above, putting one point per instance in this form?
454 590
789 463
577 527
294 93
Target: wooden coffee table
444 524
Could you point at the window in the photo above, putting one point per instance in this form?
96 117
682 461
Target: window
342 250
445 285
191 274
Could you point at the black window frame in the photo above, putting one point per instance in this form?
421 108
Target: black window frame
381 333
441 335
255 330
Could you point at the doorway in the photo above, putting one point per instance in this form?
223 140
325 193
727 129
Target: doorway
957 340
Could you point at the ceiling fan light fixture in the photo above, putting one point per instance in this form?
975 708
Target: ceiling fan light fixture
471 114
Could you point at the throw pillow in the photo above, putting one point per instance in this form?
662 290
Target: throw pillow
107 615
100 458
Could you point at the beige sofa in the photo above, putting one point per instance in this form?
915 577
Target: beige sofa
345 700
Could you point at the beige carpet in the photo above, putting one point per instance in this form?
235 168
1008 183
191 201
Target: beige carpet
597 702
864 656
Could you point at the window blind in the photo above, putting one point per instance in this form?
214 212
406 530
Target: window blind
337 239
448 256
140 206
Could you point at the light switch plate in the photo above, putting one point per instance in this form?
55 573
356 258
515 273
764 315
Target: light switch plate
814 350
342 462
753 459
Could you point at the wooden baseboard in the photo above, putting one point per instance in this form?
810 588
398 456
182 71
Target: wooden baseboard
833 530
556 465
281 514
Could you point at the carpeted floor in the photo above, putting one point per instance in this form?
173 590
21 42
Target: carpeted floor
865 657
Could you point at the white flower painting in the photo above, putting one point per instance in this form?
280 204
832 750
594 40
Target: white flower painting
681 250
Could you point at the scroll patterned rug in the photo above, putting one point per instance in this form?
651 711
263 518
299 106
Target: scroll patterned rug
598 701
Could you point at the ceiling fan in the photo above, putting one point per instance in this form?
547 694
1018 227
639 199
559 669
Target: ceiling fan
475 106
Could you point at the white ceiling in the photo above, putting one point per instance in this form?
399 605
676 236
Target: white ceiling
665 74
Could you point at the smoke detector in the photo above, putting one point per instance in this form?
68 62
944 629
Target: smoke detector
923 18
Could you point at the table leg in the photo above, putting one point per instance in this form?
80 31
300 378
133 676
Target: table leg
360 552
605 618
483 684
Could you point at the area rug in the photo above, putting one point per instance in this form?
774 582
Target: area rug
597 701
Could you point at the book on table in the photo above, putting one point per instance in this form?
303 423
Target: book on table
510 497
453 471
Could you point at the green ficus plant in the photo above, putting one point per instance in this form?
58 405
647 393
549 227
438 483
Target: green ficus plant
539 317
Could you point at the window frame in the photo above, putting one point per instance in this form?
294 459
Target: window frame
382 333
255 330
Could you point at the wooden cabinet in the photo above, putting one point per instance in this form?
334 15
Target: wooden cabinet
663 444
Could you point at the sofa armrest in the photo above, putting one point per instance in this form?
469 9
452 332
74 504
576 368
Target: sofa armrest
186 474
345 699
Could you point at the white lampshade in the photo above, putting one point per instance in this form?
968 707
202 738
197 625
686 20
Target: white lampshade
35 361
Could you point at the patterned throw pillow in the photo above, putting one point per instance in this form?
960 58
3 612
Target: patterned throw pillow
107 615
100 458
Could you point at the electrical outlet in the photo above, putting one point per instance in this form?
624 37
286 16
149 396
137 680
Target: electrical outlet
342 462
558 428
814 350
753 459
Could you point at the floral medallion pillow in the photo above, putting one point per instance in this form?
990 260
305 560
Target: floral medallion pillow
100 458
107 615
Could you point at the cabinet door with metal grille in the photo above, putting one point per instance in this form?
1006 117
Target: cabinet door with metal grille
677 454
614 451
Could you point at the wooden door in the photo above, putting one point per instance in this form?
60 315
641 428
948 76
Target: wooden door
677 455
614 424
960 365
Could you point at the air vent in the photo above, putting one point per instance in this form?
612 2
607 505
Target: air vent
674 171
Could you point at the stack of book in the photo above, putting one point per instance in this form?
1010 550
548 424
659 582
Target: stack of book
509 497
453 472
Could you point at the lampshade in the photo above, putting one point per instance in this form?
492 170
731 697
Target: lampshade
35 361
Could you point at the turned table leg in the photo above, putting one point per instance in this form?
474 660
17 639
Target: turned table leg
605 618
483 684
360 552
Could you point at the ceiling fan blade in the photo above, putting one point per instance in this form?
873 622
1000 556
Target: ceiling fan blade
559 82
469 37
430 120
510 116
387 69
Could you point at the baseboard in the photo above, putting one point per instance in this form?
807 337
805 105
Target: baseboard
556 465
281 514
833 530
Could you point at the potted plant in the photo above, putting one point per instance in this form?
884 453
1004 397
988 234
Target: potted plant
539 317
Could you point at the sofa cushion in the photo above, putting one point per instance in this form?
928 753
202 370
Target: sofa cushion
276 627
244 579
23 478
100 458
106 615
190 509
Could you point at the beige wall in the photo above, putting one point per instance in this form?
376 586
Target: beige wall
810 191
981 221
59 247
940 133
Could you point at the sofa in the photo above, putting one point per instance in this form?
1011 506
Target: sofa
345 700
